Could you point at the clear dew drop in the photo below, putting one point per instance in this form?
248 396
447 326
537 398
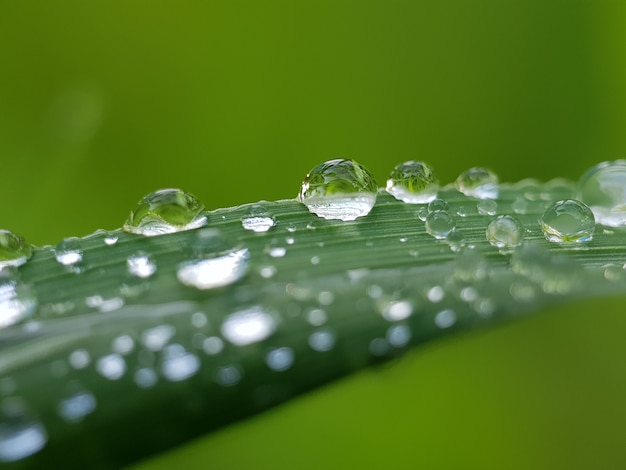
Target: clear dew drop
145 377
74 408
280 359
437 205
257 219
568 221
110 239
112 366
397 310
17 300
439 224
603 189
339 189
21 435
14 250
478 182
69 252
248 326
322 340
487 207
216 263
456 241
413 182
178 364
445 318
155 339
79 359
505 232
228 376
141 265
166 211
398 335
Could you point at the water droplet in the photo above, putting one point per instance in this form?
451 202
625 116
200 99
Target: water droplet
277 251
145 377
212 345
568 221
14 251
69 251
478 182
267 272
422 213
398 335
439 224
112 366
487 207
505 232
217 263
199 320
322 341
445 318
397 310
110 239
123 345
520 205
257 219
79 359
339 189
315 260
603 189
555 274
166 211
17 300
456 241
77 406
155 339
228 376
280 359
438 205
248 326
178 364
20 434
435 294
413 182
316 316
141 264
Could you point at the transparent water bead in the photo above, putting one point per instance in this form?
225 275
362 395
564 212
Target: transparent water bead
478 182
413 182
505 232
141 265
17 300
568 221
248 326
166 211
258 219
14 251
603 189
69 251
339 189
20 434
439 224
215 261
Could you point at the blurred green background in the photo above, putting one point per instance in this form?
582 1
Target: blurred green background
102 102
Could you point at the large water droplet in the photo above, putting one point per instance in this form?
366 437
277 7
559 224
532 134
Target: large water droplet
14 251
248 326
339 189
505 232
439 224
216 262
413 182
69 251
17 300
166 211
257 219
568 221
603 189
20 434
478 182
141 264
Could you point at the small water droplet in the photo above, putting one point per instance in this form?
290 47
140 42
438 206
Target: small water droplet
322 340
216 272
315 260
77 406
178 364
398 335
339 189
17 300
110 239
413 182
257 219
445 318
145 377
456 241
14 251
280 359
228 376
277 251
438 205
248 326
505 232
397 310
69 252
487 207
212 345
141 264
112 366
603 189
290 240
291 228
199 320
20 434
267 272
123 345
439 224
568 221
478 182
316 316
166 211
435 294
520 205
422 213
155 339
79 359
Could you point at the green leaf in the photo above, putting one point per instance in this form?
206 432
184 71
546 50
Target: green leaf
155 363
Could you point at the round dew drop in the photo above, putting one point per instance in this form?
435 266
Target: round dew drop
568 221
166 211
439 224
257 219
14 251
603 189
413 182
69 251
505 232
478 182
339 189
